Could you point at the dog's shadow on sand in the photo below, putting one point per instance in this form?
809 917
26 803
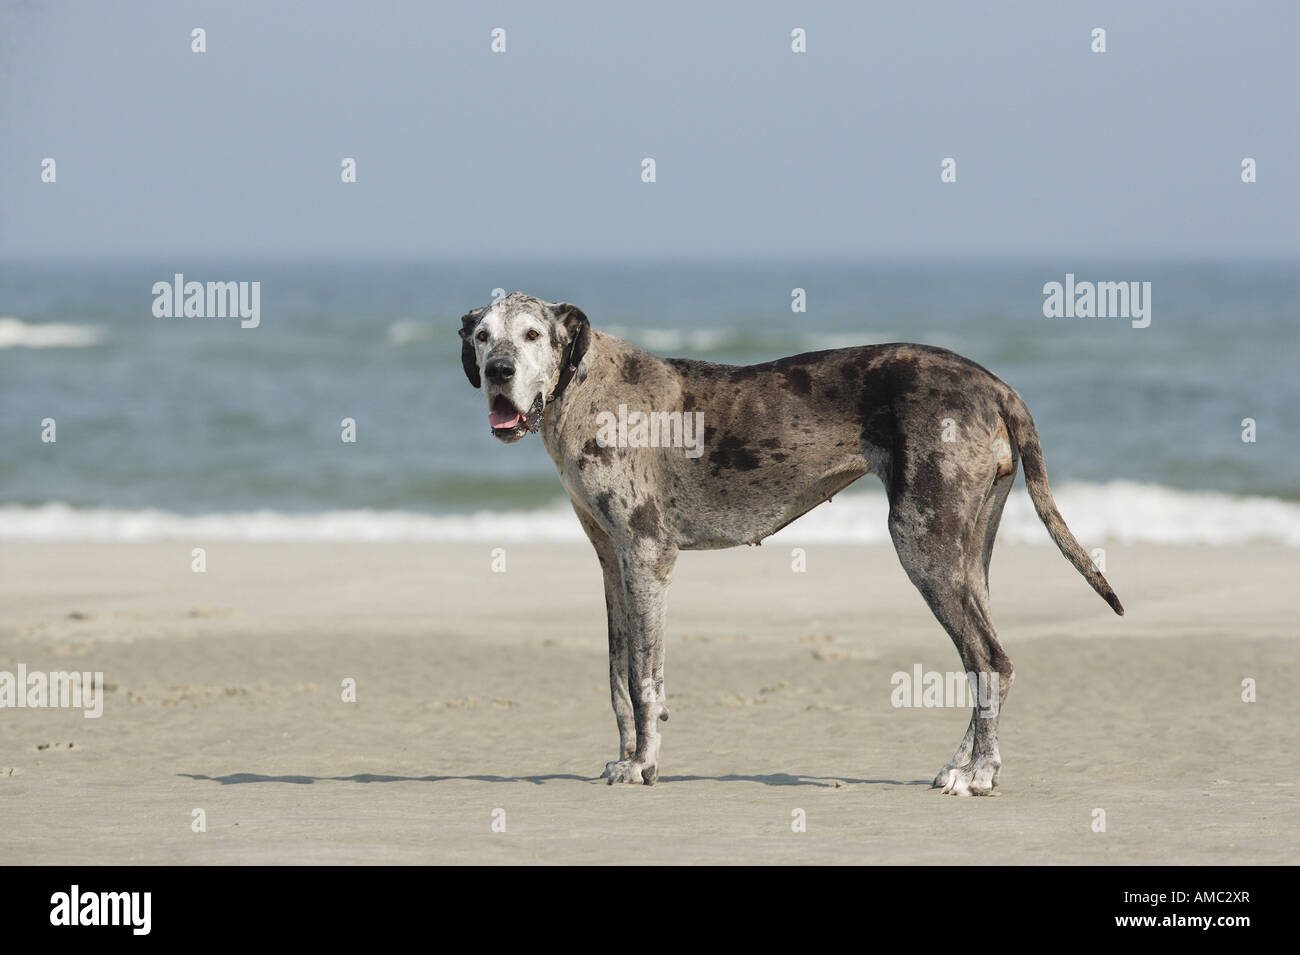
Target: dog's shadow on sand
766 779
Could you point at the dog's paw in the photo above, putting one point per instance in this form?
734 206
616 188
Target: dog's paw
630 771
977 778
945 775
625 756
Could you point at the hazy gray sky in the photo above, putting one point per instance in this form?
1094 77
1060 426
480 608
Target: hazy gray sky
537 152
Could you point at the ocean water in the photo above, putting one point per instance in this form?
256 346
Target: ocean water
197 428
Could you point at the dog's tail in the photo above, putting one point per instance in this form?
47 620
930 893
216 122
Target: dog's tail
1025 435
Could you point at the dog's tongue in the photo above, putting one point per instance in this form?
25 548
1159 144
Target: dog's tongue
503 419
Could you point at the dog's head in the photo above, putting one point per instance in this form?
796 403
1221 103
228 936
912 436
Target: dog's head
522 352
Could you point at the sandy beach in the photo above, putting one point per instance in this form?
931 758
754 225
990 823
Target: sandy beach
479 691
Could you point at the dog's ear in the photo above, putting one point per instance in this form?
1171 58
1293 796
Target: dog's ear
467 323
578 328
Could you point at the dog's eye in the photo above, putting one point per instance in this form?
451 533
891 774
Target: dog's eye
532 334
482 335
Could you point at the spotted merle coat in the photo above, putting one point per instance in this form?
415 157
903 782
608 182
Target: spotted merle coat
944 436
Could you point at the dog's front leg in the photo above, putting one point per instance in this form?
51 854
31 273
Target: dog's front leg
619 695
616 616
646 573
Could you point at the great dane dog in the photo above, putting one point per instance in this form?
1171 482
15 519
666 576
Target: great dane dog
943 434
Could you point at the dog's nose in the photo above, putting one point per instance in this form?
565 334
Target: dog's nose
500 370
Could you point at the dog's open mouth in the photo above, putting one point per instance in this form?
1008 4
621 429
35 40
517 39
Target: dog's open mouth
509 422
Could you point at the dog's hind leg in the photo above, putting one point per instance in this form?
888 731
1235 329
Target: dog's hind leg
943 531
991 515
618 638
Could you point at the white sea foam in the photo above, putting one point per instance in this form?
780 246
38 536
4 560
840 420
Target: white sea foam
676 339
821 341
59 522
406 330
15 333
1120 511
687 341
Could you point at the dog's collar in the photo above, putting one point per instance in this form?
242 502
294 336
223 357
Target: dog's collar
566 374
